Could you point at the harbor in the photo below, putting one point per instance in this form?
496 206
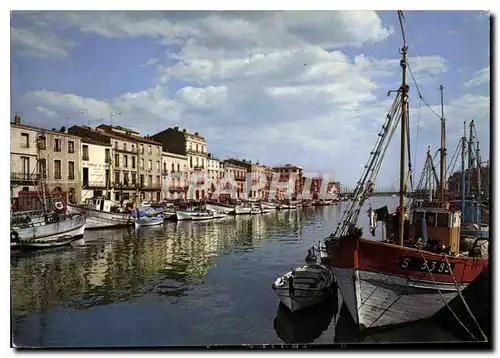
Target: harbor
132 234
186 283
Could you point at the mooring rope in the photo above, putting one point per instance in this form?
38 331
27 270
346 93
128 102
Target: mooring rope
463 299
444 300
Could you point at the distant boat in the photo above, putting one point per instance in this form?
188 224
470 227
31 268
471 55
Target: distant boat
147 217
100 215
193 215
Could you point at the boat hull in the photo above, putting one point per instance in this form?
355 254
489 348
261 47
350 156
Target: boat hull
192 215
56 239
74 226
141 222
220 208
301 298
384 284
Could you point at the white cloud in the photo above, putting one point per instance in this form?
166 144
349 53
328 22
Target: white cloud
40 43
480 77
273 86
151 62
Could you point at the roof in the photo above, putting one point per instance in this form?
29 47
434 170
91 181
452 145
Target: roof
90 135
95 142
108 130
40 129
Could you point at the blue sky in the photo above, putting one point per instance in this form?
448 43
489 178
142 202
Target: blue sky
308 88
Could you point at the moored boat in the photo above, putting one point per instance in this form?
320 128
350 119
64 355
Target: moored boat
420 268
100 214
193 215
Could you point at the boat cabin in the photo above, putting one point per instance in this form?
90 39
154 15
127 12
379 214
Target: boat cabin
100 204
442 225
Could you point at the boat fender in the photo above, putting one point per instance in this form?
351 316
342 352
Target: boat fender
59 206
14 236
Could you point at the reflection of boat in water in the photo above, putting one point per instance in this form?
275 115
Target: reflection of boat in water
306 325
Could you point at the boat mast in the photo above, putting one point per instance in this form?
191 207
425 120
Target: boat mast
470 161
442 162
462 177
404 100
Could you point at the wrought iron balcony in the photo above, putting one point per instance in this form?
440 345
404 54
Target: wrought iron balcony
24 177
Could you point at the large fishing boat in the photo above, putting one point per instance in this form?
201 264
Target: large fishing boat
419 269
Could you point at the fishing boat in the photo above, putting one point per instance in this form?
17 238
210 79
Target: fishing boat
268 206
304 286
217 207
49 227
193 214
217 215
419 268
241 210
146 216
254 210
102 216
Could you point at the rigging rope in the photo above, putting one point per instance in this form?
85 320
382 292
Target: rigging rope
419 93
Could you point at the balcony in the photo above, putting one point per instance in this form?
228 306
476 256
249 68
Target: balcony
194 151
198 167
24 177
128 150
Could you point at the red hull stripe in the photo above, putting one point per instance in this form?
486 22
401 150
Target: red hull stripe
386 258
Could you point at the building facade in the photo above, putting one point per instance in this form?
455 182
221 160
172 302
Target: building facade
24 173
290 181
50 157
135 164
182 142
174 169
96 155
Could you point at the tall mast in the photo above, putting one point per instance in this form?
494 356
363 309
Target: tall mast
442 164
404 101
462 177
478 164
471 160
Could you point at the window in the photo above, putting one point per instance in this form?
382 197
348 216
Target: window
158 181
26 168
25 140
133 179
85 152
196 146
117 160
164 167
117 177
142 180
442 219
157 166
416 217
430 218
57 145
71 170
158 151
142 164
197 162
142 149
150 150
107 155
133 162
150 165
125 146
125 178
173 168
116 145
150 181
133 148
71 146
202 162
178 167
125 161
42 168
57 169
42 143
190 162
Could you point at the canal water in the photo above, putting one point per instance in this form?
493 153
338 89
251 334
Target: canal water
186 283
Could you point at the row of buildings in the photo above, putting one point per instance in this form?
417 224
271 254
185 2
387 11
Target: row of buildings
82 162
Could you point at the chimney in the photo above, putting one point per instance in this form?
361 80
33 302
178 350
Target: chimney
176 128
17 119
184 130
195 133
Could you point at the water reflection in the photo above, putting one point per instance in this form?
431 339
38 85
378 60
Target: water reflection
305 326
210 280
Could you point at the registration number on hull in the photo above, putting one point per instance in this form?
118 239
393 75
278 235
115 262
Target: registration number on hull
419 264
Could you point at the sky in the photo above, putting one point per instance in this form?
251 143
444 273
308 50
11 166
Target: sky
293 87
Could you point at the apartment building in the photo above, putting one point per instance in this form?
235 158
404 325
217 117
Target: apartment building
290 180
182 142
237 169
175 166
50 155
96 160
136 164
